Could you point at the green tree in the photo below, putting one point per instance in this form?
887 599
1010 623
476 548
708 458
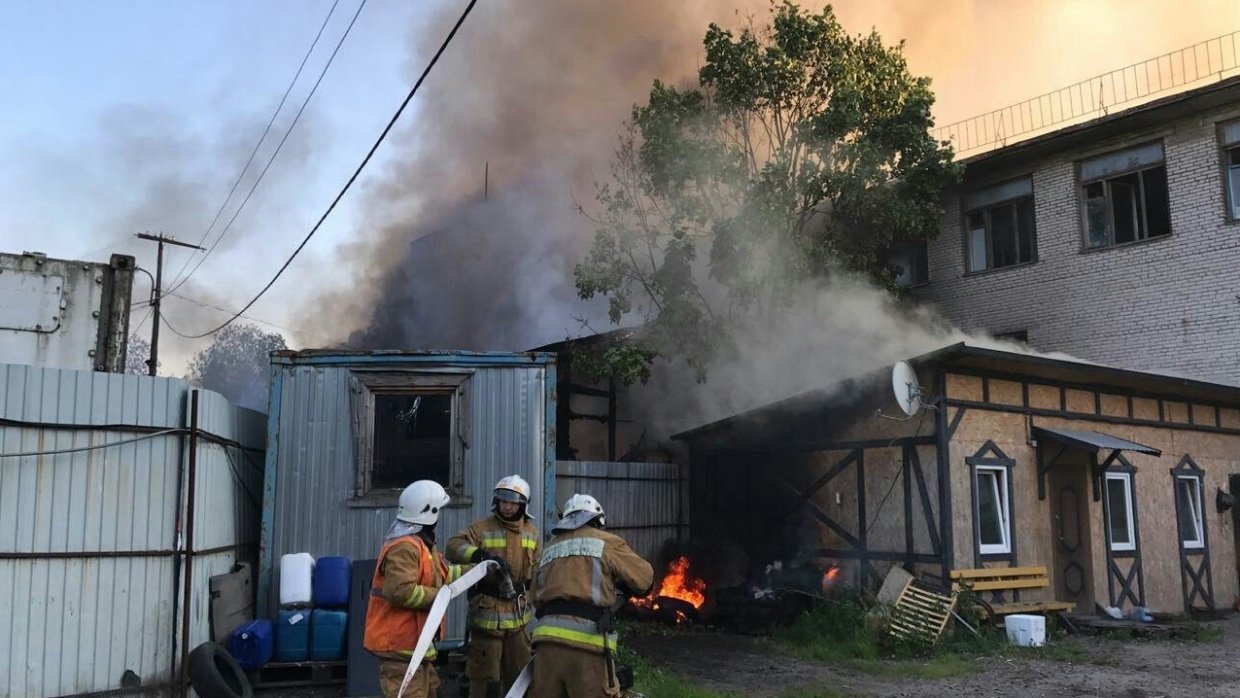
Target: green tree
804 151
236 365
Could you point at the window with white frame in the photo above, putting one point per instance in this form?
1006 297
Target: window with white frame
999 228
994 511
1229 139
1125 196
1188 508
1121 530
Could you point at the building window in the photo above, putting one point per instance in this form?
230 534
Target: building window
1021 336
910 263
994 512
407 427
999 225
1121 533
1189 511
1125 197
1229 137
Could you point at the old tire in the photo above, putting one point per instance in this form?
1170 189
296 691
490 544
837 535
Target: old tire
215 674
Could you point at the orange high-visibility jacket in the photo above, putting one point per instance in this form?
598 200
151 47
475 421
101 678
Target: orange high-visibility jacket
407 576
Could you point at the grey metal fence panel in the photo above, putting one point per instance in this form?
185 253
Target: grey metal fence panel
644 501
88 543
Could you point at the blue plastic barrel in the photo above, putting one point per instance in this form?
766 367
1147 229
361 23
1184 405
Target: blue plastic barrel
331 582
328 630
293 636
252 644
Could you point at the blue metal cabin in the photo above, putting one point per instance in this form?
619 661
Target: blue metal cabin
317 494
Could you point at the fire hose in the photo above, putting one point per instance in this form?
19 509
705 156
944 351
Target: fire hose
434 617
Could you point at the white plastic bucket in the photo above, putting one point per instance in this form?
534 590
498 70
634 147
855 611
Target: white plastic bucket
1026 631
296 577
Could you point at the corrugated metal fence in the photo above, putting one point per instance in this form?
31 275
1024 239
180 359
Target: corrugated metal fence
94 473
645 502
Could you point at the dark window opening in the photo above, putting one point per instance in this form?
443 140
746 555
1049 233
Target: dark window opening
1002 235
910 263
1126 206
1233 181
1021 336
412 439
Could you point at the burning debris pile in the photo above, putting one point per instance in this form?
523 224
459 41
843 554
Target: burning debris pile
680 596
706 585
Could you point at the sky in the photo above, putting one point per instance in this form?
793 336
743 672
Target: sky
135 115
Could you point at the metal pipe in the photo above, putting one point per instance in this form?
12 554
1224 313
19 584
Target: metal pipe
189 539
86 554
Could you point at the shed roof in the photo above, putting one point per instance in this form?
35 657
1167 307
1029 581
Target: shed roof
994 361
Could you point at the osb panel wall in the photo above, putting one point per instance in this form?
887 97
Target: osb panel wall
1145 408
964 387
1217 454
1031 517
1006 392
1229 418
843 512
1114 405
1044 397
1176 412
1202 414
884 498
1080 401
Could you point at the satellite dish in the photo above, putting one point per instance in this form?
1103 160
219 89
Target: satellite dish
906 388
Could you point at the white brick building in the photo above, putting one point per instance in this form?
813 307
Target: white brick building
1073 240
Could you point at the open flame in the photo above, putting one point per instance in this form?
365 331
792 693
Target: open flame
829 578
678 583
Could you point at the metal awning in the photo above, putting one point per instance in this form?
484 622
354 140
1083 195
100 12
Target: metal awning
1093 441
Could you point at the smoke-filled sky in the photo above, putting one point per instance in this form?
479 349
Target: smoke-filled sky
129 116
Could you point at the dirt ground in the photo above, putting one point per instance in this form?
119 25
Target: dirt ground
749 666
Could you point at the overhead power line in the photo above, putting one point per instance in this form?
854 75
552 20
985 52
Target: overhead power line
353 178
203 304
279 146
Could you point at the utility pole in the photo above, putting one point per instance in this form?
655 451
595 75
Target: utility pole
153 361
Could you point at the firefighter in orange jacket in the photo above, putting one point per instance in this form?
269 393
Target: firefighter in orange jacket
408 574
584 573
499 645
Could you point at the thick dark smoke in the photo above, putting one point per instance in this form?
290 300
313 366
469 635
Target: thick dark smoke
538 90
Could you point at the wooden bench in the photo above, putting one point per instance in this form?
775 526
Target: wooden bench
1011 579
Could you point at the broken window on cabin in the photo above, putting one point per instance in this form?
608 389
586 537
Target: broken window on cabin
1125 197
1188 509
1000 225
408 426
413 439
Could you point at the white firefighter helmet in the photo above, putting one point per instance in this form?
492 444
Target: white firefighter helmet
421 502
579 510
513 488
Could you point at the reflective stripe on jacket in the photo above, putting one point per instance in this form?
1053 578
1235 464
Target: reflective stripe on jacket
407 576
517 543
587 566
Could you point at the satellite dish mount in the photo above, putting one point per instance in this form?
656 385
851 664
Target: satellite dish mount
907 390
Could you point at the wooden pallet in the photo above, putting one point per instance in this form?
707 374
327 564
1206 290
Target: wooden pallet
287 674
921 612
